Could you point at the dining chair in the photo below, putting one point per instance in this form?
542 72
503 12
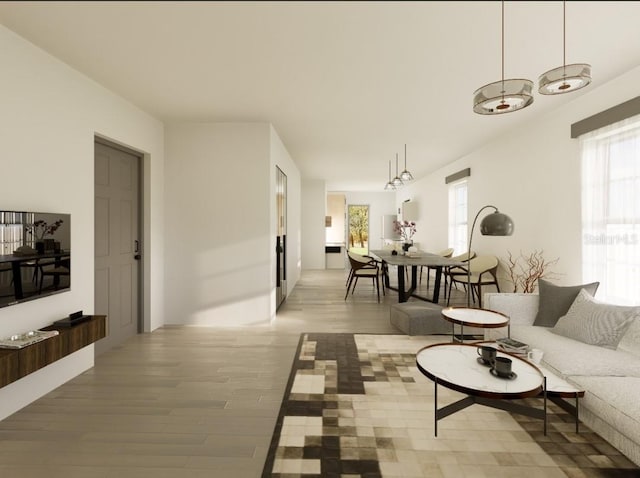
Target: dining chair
483 272
363 266
55 270
360 258
444 253
447 272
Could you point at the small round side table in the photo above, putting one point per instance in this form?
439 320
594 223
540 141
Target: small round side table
482 318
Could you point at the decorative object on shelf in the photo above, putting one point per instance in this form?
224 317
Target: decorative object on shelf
39 229
503 96
405 175
397 182
524 271
566 78
389 186
19 341
495 224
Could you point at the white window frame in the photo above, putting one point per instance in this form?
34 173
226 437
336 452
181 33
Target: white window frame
458 216
610 158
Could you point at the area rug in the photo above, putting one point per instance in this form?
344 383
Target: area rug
357 406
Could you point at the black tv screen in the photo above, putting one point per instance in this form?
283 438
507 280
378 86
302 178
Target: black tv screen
35 255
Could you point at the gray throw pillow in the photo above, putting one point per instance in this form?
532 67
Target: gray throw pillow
554 300
595 323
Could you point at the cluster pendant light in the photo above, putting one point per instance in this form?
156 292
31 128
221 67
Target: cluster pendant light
400 178
505 96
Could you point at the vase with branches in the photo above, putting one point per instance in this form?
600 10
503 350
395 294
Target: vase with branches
39 231
525 270
406 230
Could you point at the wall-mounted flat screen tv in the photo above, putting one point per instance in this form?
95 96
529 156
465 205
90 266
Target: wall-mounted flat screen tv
35 255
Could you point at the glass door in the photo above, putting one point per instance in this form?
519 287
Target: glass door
358 229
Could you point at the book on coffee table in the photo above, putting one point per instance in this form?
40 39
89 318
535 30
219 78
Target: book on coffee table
512 346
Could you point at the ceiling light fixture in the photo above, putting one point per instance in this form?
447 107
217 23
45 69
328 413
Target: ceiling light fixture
389 186
397 182
503 96
566 78
406 175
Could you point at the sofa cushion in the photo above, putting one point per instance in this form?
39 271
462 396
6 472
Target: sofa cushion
566 356
556 300
595 323
630 341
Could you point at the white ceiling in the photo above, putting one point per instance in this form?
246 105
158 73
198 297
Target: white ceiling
346 84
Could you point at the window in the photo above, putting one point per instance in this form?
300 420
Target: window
458 216
611 210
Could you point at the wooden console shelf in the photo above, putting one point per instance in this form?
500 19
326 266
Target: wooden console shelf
18 363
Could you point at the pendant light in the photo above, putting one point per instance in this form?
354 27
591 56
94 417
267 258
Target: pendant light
406 175
566 78
389 186
503 96
397 182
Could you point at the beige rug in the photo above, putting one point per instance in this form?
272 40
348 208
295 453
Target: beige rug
357 406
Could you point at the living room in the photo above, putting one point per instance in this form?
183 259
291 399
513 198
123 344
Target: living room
528 167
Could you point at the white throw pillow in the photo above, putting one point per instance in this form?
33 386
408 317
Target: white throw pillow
630 341
595 323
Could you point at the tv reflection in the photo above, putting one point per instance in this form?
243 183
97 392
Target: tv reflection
35 255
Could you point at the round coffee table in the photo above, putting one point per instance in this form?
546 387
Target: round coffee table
483 318
456 366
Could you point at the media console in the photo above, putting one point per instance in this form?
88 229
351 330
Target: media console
18 363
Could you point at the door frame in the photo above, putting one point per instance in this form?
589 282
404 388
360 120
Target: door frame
142 325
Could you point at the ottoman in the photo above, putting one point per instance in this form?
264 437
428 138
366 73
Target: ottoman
419 318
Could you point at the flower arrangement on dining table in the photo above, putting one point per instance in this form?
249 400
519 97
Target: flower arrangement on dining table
406 230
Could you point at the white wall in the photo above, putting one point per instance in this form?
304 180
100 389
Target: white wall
49 116
220 213
532 174
314 205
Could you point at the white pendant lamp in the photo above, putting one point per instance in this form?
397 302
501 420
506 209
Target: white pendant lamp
566 78
503 96
406 176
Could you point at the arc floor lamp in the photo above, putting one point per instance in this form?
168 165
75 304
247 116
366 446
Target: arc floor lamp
494 224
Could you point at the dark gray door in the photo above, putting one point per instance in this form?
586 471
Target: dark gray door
117 243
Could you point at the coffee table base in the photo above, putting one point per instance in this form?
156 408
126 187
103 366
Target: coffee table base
568 407
501 404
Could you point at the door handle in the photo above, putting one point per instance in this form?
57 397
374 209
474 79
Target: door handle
136 249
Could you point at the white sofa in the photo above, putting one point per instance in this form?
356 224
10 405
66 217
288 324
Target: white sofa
610 377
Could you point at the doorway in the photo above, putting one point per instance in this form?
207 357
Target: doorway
281 237
358 229
118 249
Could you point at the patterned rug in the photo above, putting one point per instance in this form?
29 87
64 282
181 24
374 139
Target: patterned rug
357 406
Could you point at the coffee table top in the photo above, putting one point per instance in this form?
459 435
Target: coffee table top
556 386
456 366
483 318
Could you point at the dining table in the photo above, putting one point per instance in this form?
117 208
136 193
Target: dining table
17 260
413 260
